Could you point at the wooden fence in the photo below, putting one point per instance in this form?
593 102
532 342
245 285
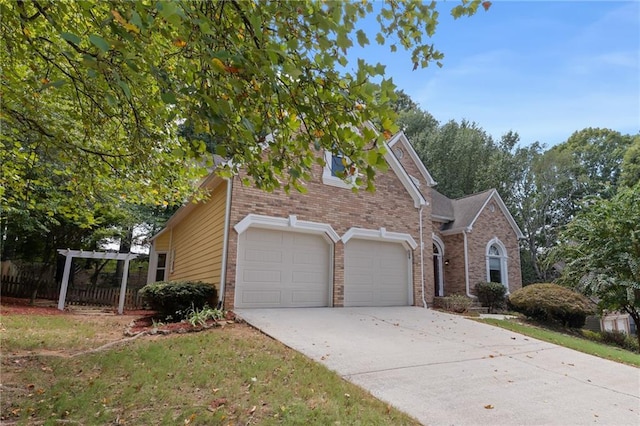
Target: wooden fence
24 287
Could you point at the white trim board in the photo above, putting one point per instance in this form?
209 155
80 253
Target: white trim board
380 235
291 223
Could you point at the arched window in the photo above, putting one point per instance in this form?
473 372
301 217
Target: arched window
438 271
497 263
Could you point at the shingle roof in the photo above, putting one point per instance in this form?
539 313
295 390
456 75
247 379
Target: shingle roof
441 206
461 211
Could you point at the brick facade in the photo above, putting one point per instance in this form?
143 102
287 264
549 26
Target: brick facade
390 207
492 223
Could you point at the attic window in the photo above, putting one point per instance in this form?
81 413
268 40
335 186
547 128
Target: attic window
399 153
492 207
337 165
334 171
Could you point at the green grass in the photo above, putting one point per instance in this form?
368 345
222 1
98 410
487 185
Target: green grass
573 342
50 332
234 375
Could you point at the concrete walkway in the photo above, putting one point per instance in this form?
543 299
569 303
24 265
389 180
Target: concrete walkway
448 370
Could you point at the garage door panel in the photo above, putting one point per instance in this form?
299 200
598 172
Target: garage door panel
261 297
306 258
307 277
263 255
360 298
282 269
305 240
306 298
261 276
264 237
376 273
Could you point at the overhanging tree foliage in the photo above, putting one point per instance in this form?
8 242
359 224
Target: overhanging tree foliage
98 94
601 252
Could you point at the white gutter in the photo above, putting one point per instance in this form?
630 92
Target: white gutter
424 301
225 244
466 264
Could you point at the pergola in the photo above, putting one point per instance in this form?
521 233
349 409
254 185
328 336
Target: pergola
70 254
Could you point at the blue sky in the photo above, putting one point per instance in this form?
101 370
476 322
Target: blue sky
544 69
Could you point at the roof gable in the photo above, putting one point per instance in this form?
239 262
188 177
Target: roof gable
405 179
466 211
400 137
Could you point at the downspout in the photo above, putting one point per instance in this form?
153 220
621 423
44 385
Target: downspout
225 243
466 264
424 301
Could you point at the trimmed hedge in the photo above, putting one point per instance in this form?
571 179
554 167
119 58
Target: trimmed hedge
173 299
492 295
455 303
552 303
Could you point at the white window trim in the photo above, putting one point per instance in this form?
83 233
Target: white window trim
329 179
291 223
153 266
380 235
438 242
504 271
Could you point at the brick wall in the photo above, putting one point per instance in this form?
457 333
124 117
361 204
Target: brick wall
454 273
491 224
390 206
427 226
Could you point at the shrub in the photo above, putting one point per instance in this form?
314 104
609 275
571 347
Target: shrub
616 338
491 295
552 303
199 317
175 299
456 303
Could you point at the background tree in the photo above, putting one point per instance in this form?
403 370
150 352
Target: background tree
601 252
630 174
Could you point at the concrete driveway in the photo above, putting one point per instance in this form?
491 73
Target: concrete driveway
448 370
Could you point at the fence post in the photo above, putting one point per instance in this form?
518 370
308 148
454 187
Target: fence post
123 286
65 282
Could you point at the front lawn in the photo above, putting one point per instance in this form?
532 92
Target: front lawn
230 375
569 341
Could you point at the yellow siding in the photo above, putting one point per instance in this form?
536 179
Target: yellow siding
196 242
163 241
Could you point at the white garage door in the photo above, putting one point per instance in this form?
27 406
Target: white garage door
376 274
282 269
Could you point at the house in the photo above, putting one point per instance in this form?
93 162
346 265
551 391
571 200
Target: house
403 244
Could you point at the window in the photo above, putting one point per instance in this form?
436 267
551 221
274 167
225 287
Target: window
337 165
161 267
334 171
437 270
497 263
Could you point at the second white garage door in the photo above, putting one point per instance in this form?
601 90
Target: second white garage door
282 269
376 273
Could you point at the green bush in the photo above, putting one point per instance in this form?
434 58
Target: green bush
491 295
552 303
615 338
455 303
174 300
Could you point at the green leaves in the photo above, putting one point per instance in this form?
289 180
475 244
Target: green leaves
99 42
601 251
260 84
70 37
